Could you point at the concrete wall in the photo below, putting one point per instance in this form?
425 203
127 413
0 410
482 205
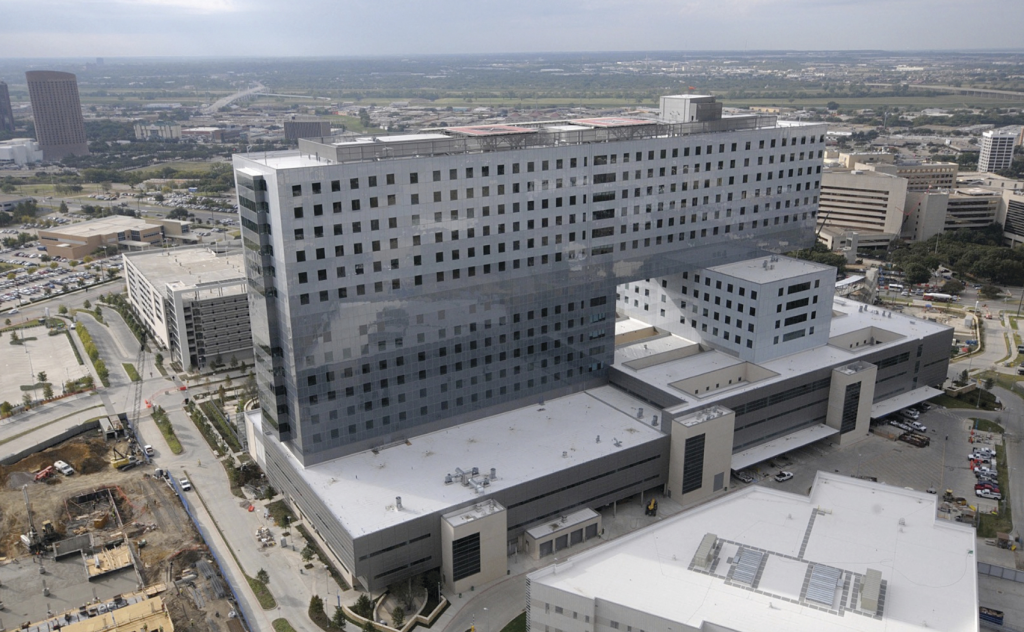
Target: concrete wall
492 528
842 377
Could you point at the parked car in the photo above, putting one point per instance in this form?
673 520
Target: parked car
992 487
982 470
745 476
185 485
148 449
988 452
925 406
986 493
918 426
63 468
910 414
783 476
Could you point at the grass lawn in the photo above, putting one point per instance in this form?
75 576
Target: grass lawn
282 625
129 368
197 167
263 594
163 422
987 425
970 400
516 625
281 513
351 124
1013 323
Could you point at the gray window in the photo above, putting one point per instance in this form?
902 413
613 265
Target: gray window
693 464
466 557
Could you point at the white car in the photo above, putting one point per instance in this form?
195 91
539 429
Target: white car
148 449
984 452
918 426
981 470
185 485
988 493
783 476
910 414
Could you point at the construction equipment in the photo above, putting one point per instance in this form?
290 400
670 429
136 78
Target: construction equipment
135 397
45 473
34 540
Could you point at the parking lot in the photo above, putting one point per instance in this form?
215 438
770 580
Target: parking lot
942 465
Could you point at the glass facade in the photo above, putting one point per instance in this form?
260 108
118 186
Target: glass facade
395 297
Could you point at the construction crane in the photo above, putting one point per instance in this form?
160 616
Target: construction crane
135 397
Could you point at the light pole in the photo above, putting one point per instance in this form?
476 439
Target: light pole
977 325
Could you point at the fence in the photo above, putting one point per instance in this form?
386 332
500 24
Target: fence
1001 572
187 504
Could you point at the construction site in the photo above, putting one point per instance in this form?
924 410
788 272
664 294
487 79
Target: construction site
107 547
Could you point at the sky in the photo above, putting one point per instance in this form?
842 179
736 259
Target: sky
301 28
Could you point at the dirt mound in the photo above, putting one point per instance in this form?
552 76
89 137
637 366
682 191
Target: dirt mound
86 455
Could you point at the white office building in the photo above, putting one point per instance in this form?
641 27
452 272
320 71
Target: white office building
192 301
997 149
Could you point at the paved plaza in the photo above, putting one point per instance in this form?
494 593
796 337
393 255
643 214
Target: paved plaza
20 364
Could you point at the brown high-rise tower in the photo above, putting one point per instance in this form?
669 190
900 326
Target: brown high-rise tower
6 113
57 112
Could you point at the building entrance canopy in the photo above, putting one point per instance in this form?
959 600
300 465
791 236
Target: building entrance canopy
901 401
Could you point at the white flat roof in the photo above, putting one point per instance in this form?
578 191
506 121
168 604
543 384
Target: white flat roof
928 565
522 445
781 445
897 402
847 318
187 267
755 270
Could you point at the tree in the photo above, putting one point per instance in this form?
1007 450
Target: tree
87 304
158 359
262 577
338 620
307 553
7 322
26 399
5 409
14 336
990 291
832 106
369 627
233 363
363 606
916 273
47 391
952 287
63 207
42 376
986 384
398 616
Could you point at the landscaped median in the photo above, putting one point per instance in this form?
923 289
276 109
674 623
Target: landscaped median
163 422
93 353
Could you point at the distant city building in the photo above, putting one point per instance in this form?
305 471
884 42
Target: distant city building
157 131
20 151
294 130
193 301
57 113
854 556
75 241
6 113
997 149
9 202
203 134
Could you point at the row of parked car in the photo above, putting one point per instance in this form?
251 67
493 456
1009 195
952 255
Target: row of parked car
983 463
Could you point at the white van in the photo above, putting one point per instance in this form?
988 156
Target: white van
63 468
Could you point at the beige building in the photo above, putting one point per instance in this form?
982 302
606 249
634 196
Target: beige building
972 208
76 241
57 113
920 176
473 545
862 201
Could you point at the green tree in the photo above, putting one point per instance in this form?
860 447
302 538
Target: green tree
363 606
158 359
42 376
398 617
990 291
14 334
87 304
307 553
364 117
26 399
262 577
47 391
916 273
952 287
338 620
369 627
5 409
63 207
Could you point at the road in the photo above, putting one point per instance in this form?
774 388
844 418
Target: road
222 102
